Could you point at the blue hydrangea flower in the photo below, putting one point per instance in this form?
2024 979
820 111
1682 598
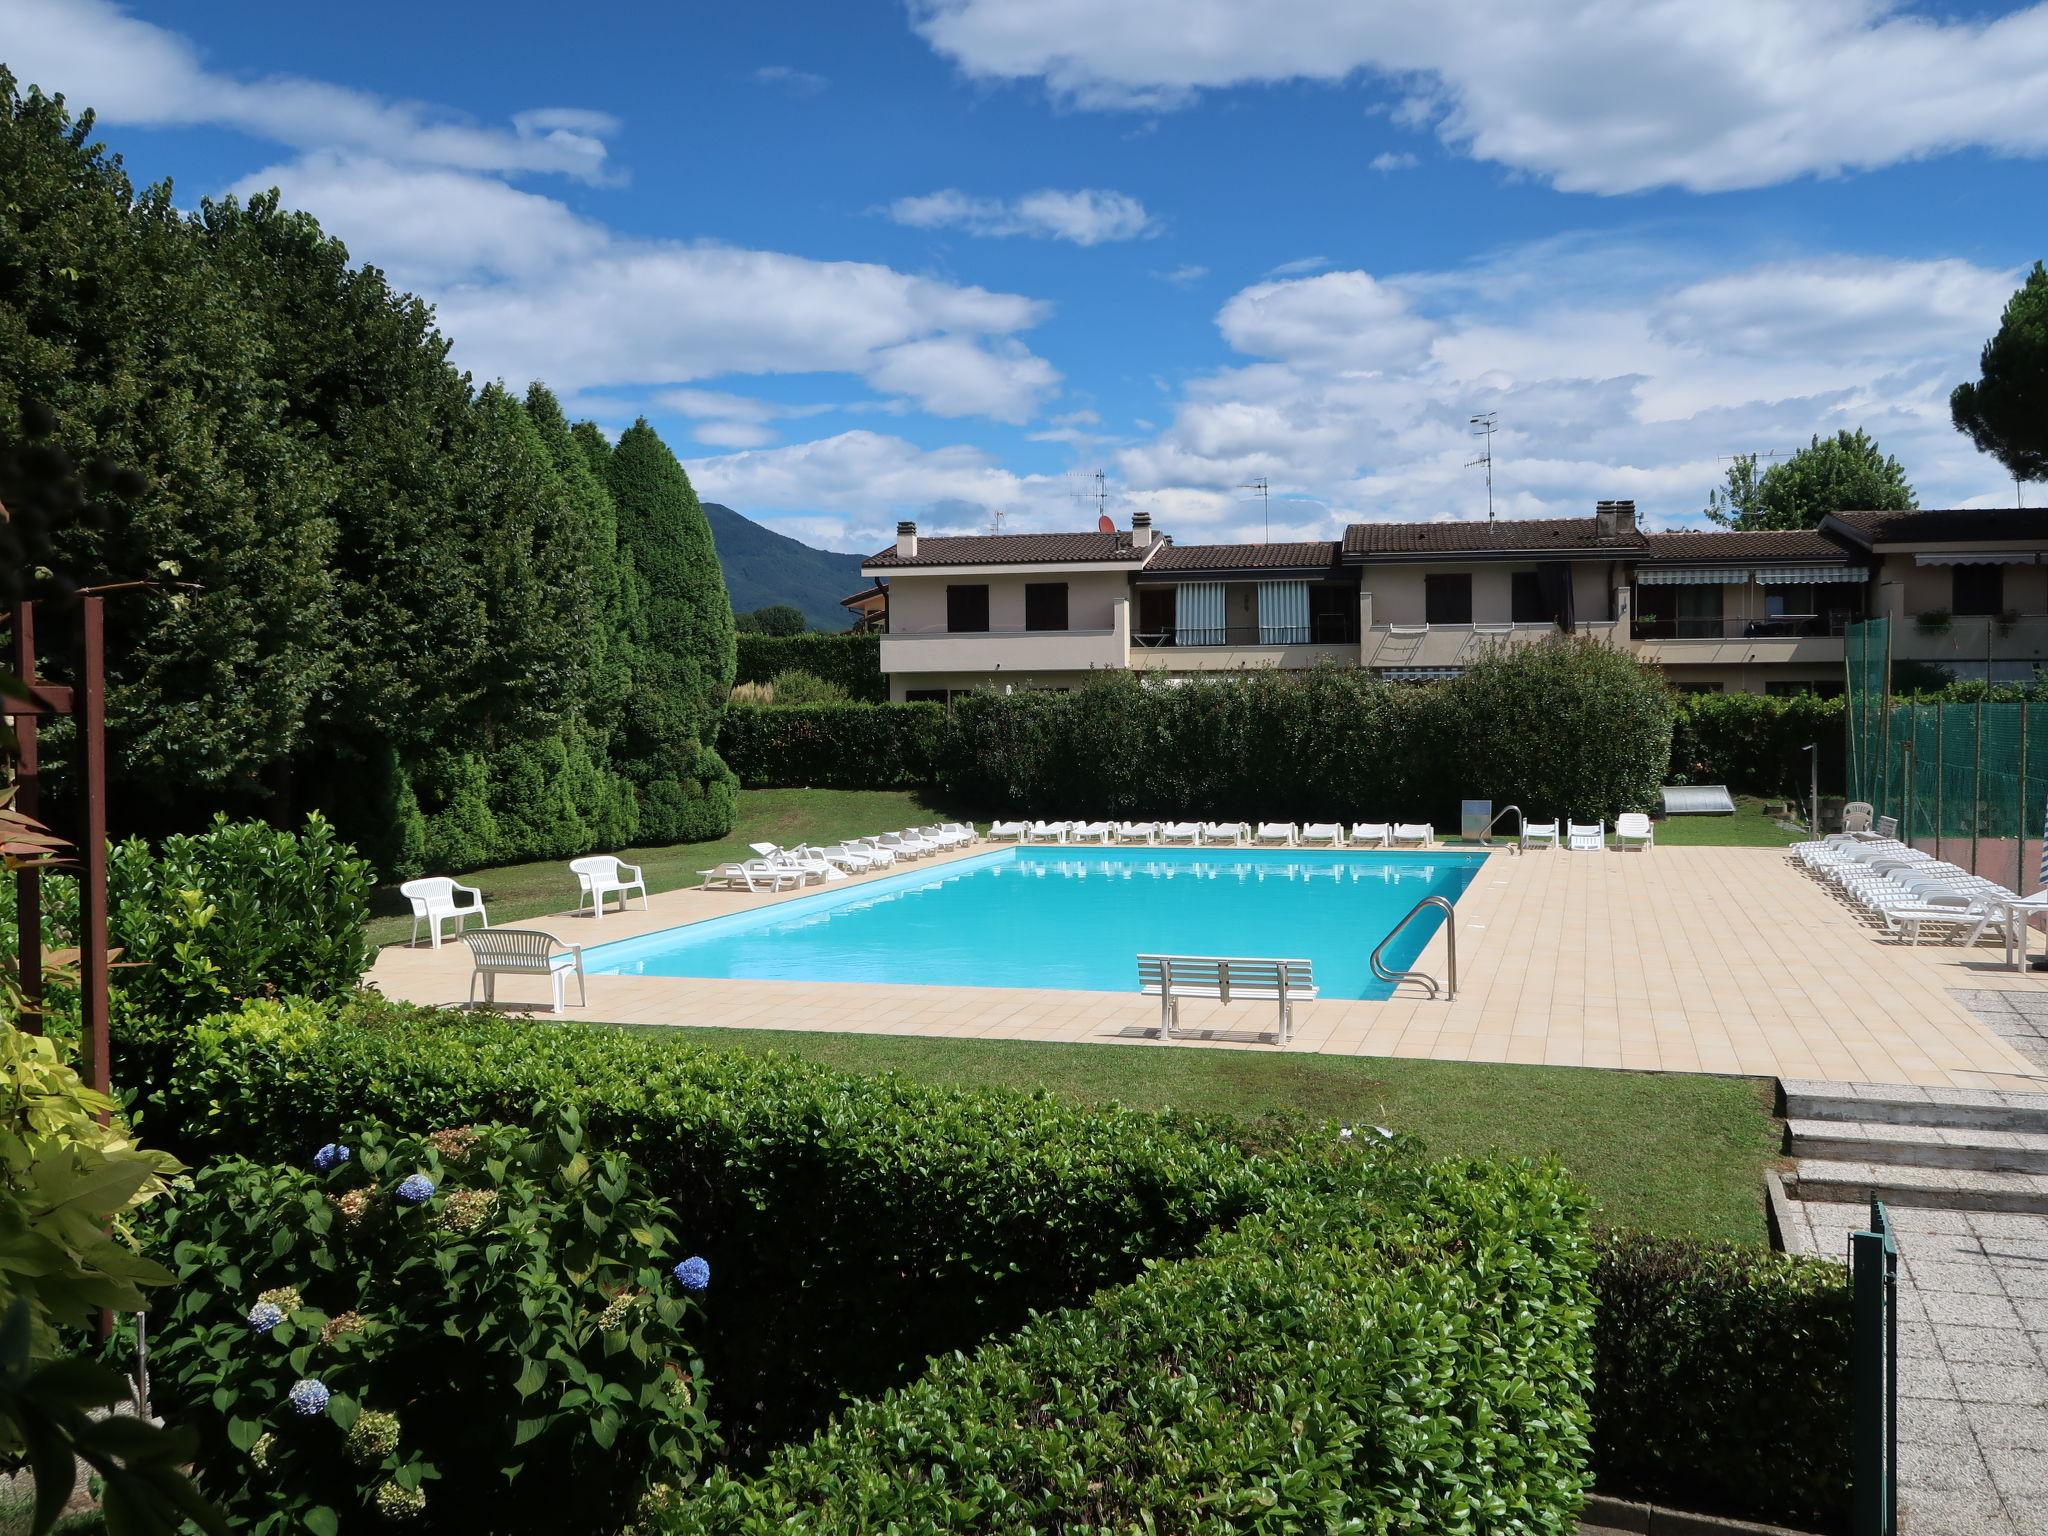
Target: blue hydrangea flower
693 1275
264 1316
308 1397
416 1190
331 1156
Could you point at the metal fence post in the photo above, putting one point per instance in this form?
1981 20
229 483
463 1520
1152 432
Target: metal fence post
1874 1432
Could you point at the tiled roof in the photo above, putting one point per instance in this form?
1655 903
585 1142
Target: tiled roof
1761 544
1469 536
1938 527
1245 557
1011 549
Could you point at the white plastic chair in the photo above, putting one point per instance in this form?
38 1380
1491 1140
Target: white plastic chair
1585 837
1539 834
600 875
1413 834
436 900
1632 829
1370 834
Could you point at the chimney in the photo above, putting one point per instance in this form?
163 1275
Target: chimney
1141 530
1617 519
906 541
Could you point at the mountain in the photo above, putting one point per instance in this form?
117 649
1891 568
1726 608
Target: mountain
763 566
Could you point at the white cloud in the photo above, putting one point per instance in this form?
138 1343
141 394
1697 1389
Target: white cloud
798 82
1597 98
132 72
1183 276
1301 266
1344 318
1388 161
956 376
1090 216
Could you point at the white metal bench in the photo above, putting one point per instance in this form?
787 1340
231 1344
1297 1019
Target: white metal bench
524 952
1223 979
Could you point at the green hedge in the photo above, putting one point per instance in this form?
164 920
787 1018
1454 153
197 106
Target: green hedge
831 746
1755 744
1568 727
1410 1358
854 662
1723 1380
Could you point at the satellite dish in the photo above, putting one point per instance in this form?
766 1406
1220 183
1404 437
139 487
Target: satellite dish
1105 524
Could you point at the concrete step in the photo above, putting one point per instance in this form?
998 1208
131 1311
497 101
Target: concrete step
1886 1104
1918 1146
1951 1189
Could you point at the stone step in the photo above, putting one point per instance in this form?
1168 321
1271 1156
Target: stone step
1918 1146
1985 1109
1951 1189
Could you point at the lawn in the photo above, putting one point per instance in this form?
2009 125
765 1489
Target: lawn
516 892
1752 826
1673 1153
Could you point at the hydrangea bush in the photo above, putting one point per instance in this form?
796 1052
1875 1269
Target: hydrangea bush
477 1328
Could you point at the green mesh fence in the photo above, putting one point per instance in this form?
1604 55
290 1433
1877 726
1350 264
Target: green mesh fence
1965 781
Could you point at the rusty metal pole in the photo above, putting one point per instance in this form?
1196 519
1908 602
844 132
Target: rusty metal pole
28 883
92 886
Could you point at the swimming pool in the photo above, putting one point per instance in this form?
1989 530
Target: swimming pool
1072 917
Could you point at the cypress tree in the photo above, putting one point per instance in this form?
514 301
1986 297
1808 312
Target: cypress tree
685 664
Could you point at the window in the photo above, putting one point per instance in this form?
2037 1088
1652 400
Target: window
967 610
1447 599
1980 589
1697 687
1045 605
1526 603
1791 690
1333 615
1789 602
927 695
1155 615
1699 611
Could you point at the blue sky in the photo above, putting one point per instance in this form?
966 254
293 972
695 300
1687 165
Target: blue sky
862 261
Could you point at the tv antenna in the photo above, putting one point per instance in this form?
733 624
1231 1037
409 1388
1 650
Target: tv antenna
1265 489
1484 425
995 520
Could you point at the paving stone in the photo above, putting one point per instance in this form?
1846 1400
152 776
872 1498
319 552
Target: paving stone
2004 1224
2006 1424
2025 1281
1989 1346
1942 1468
2033 1311
2017 1473
1958 1279
1937 1421
2003 1384
1971 1310
1917 1339
1952 1514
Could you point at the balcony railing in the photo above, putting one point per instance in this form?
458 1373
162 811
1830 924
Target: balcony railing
1782 626
1324 629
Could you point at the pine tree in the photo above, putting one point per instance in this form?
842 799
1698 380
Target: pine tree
685 665
2005 412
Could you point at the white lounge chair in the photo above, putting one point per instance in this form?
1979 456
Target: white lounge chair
1632 829
907 845
1091 832
1539 834
1180 832
1413 834
811 869
1585 837
963 831
1322 834
599 876
1276 834
1137 831
1223 833
1007 831
1050 831
855 861
872 847
436 900
752 874
945 836
524 952
1370 834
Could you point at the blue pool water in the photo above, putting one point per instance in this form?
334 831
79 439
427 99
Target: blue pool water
1072 917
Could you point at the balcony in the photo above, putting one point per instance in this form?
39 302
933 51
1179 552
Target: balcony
1322 629
1459 645
1971 640
1783 626
1003 650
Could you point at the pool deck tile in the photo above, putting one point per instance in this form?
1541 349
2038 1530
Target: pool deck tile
1725 960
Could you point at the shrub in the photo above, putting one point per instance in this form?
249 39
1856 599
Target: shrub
466 1319
831 746
1754 743
1723 1380
1411 1356
238 911
793 687
854 662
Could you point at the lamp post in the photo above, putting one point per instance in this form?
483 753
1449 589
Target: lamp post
1812 750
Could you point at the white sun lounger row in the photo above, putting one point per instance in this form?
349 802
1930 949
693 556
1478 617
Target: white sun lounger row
1219 834
1905 888
775 868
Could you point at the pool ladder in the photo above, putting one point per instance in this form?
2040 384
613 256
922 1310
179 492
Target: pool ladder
1393 977
1521 829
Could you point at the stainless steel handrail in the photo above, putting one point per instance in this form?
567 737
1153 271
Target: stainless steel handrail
1521 828
1379 969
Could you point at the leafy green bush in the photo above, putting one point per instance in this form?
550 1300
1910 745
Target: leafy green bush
1723 1380
1571 726
238 911
794 687
1755 744
466 1320
854 662
1409 1355
831 746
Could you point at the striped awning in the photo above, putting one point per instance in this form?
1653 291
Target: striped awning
1978 557
1688 576
1771 576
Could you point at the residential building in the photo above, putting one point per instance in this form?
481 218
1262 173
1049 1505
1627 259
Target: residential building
1759 612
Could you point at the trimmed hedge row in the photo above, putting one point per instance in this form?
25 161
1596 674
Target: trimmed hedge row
854 662
832 746
1723 1380
1567 726
1755 744
1412 1357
